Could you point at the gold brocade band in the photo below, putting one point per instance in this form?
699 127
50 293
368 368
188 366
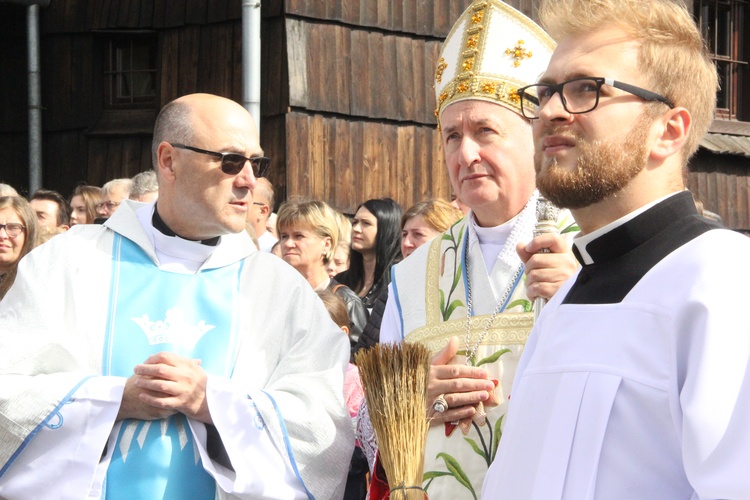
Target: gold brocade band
506 329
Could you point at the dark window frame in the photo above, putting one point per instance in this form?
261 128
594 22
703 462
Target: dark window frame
722 23
127 58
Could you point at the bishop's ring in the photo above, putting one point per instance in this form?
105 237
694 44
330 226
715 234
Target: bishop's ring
440 404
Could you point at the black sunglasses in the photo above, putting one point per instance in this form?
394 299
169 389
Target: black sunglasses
233 163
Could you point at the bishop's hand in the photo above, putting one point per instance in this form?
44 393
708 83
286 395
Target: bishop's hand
463 387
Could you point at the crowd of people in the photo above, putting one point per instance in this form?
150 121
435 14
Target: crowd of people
184 334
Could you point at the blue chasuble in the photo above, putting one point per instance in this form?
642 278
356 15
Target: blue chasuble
151 311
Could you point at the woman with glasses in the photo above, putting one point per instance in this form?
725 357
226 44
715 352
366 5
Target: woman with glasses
308 234
83 204
18 233
376 246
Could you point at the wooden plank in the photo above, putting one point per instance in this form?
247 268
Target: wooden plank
174 13
132 16
215 59
170 66
388 79
342 69
319 66
146 14
274 76
350 11
297 38
378 86
343 198
404 158
188 57
409 15
334 10
236 66
314 164
430 57
384 15
406 90
368 13
397 15
160 9
195 11
425 17
360 74
731 197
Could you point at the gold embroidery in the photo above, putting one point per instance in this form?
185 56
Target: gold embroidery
518 53
440 68
468 64
471 42
489 88
477 17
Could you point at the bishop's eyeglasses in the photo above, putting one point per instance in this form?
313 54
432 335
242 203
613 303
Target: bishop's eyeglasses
579 95
233 163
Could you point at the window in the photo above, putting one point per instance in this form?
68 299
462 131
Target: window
722 23
130 71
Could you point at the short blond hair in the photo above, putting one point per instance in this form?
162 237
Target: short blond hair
673 55
437 213
312 215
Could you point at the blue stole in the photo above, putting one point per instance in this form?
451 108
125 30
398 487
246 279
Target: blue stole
151 311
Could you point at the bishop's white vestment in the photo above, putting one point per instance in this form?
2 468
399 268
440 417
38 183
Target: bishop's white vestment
428 303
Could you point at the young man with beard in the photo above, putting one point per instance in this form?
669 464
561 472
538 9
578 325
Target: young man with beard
635 380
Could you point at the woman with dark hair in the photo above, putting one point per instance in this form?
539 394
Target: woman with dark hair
376 246
18 236
419 224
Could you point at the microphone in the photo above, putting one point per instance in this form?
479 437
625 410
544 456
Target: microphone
546 216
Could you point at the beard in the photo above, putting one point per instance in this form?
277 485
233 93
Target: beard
603 168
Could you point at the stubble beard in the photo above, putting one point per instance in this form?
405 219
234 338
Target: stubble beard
603 168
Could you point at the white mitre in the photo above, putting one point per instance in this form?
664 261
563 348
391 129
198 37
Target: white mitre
492 50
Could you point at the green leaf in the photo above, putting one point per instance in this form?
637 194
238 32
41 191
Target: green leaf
476 448
526 304
456 303
448 237
456 471
573 228
456 277
496 437
442 304
492 358
435 473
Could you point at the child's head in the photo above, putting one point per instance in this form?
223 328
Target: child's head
336 309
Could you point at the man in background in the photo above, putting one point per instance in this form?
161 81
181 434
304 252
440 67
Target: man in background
259 213
52 212
113 192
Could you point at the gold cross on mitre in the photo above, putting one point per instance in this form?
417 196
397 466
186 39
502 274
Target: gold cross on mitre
519 53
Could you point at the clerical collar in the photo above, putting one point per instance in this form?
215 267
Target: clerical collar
620 236
162 227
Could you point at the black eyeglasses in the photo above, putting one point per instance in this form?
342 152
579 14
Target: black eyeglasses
12 229
579 95
233 163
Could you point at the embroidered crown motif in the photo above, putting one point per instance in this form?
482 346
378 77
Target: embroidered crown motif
174 329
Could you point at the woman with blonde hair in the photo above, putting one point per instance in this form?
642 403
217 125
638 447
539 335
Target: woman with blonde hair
18 236
308 234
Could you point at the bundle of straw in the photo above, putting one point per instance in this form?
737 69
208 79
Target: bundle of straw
395 379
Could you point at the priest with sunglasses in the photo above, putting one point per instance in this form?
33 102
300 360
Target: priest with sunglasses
160 355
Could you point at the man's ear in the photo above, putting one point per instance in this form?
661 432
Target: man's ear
675 127
165 156
265 210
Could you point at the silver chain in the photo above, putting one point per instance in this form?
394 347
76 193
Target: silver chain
506 294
